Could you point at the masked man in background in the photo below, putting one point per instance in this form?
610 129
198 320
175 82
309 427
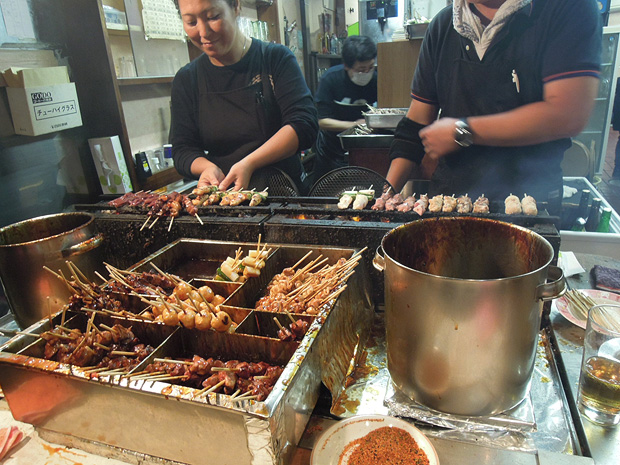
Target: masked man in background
344 92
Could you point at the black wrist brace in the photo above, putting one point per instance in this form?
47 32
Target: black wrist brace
407 143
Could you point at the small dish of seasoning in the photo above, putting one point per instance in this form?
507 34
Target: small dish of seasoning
372 440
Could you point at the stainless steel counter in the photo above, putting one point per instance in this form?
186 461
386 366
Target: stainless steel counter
602 444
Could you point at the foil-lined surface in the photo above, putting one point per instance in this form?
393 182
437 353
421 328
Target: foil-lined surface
520 418
257 432
540 422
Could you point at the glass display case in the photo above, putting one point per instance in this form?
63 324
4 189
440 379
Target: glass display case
596 133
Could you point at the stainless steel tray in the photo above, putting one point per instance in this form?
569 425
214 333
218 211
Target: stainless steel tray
349 139
385 120
169 421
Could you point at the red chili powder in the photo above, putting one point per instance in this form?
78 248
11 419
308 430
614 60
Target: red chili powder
385 446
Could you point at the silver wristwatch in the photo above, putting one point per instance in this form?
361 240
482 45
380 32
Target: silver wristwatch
462 133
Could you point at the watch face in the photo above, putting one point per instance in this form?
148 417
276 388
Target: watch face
462 134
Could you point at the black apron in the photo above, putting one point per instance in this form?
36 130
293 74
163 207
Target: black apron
244 119
477 88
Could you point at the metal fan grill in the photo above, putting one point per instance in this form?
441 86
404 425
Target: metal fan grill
349 178
280 184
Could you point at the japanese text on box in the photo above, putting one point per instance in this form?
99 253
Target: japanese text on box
53 110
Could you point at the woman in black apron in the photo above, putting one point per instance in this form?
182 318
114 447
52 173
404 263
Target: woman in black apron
241 106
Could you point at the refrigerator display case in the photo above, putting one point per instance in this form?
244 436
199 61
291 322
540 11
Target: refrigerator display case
606 244
595 135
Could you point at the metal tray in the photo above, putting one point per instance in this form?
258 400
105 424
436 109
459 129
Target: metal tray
140 415
349 139
385 121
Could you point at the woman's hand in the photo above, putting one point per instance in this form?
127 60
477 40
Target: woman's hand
438 138
239 175
211 176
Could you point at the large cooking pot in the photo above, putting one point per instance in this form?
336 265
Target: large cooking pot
27 246
463 301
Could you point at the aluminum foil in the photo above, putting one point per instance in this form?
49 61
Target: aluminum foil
540 422
61 398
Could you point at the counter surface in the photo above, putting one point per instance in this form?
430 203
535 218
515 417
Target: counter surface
603 444
561 432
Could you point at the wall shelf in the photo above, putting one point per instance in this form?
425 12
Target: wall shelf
142 81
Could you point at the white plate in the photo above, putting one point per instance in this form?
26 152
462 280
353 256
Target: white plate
600 297
332 442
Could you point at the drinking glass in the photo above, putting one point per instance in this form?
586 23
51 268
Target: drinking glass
599 382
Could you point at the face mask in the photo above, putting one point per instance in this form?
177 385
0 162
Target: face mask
362 79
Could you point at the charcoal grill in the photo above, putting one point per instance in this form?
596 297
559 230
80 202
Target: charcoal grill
289 220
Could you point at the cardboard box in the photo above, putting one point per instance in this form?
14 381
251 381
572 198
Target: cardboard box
111 166
36 77
42 100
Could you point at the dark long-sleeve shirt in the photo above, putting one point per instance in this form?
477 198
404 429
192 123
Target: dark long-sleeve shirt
288 98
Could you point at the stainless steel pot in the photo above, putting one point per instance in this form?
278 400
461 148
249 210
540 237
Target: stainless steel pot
51 240
463 303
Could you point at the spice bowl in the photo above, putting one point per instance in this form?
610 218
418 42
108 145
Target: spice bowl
338 444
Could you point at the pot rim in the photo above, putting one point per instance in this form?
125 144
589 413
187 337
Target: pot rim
90 216
470 218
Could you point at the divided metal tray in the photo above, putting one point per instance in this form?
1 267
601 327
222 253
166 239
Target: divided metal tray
171 421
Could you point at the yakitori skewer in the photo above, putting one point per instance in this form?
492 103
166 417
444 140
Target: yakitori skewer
208 390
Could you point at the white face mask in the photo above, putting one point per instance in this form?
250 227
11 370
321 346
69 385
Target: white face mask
362 79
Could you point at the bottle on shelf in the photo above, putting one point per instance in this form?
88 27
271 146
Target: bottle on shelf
582 211
603 225
168 161
594 216
143 170
579 224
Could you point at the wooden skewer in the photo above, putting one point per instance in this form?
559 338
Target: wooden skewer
49 312
59 336
166 378
170 225
116 371
78 346
101 277
77 271
146 375
278 323
64 280
258 246
101 346
130 375
104 326
301 260
122 352
20 333
290 316
168 360
89 324
210 390
261 377
57 275
63 328
198 218
145 222
153 223
235 394
231 370
239 399
245 395
333 295
92 370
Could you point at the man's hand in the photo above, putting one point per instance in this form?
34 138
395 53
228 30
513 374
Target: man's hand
438 138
